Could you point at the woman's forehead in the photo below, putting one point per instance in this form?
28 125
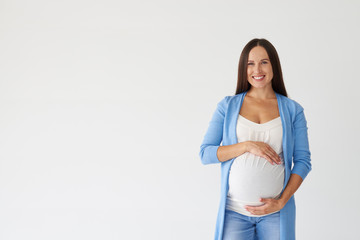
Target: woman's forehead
258 53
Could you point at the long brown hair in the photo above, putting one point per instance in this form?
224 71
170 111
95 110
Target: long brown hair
277 82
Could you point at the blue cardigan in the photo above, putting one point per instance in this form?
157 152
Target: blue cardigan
222 128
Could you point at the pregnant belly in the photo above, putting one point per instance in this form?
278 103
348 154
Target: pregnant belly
252 177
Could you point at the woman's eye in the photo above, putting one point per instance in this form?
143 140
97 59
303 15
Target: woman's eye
250 63
264 62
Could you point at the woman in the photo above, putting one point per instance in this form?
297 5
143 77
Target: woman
264 154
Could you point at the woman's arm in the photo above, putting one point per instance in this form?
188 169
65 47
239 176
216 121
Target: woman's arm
301 154
214 134
210 149
291 187
225 153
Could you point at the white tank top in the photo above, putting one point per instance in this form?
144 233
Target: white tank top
252 177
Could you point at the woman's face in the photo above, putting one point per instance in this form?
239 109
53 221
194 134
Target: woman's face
259 69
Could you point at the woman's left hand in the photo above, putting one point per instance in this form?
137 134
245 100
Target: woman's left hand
270 205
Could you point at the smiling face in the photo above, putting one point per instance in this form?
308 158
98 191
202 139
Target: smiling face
259 69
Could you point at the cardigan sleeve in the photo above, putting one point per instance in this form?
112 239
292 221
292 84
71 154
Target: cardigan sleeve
301 154
214 134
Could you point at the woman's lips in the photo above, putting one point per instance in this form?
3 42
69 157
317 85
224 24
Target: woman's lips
258 78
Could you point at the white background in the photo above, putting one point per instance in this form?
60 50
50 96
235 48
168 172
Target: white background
104 105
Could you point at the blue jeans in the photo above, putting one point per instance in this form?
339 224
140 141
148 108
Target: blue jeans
240 227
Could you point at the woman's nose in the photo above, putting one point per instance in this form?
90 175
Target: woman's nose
257 68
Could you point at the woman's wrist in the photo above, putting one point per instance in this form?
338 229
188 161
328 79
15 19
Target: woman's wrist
283 201
246 146
241 148
290 189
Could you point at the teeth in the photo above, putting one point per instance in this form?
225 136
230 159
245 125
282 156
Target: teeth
257 78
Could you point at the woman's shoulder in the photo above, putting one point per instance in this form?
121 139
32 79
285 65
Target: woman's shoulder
291 104
229 98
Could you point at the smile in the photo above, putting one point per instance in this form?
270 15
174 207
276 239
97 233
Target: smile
258 78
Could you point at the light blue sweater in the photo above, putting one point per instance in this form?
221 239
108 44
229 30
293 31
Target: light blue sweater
222 128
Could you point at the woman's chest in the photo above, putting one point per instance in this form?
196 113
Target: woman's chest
259 112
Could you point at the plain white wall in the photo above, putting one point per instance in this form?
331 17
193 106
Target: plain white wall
104 105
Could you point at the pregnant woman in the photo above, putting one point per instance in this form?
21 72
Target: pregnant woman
264 153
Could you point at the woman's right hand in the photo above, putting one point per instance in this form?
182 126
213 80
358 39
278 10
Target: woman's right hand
263 150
